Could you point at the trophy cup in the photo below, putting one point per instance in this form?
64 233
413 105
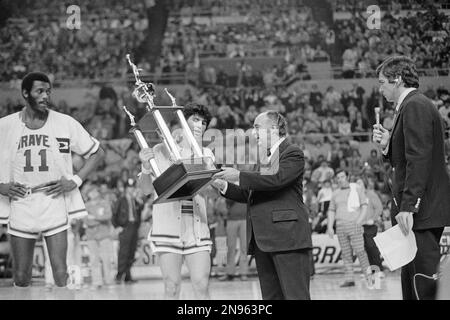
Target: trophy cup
185 177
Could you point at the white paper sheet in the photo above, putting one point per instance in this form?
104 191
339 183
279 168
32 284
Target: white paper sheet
396 248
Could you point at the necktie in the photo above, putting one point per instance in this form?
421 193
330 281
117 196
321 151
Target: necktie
131 209
269 153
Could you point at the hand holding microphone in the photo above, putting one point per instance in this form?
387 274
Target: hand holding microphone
380 135
377 115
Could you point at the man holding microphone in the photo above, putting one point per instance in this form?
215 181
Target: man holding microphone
421 188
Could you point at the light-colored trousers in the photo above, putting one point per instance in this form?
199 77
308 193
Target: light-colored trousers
101 258
237 229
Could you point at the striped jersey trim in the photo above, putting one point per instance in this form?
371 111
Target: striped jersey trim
25 232
90 149
164 236
187 207
57 227
157 245
77 211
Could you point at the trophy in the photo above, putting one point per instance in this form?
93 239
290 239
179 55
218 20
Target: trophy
185 177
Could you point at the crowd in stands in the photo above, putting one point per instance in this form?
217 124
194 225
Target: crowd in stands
424 36
187 8
392 5
96 51
39 38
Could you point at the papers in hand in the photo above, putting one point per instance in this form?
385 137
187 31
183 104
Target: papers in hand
396 248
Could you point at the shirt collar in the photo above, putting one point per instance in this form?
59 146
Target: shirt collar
402 97
275 146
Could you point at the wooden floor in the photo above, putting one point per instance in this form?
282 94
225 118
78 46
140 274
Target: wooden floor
323 287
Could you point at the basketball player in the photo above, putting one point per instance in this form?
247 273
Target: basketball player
180 229
38 190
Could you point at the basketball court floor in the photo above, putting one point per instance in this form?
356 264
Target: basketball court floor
323 287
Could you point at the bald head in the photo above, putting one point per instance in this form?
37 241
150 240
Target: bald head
269 127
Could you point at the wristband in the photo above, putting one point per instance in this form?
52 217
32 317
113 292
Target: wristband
77 180
145 171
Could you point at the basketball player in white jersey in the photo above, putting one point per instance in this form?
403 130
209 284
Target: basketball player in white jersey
37 184
180 229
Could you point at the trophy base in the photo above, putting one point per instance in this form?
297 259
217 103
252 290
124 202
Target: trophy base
181 181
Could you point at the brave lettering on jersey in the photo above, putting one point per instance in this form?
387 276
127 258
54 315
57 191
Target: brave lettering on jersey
33 140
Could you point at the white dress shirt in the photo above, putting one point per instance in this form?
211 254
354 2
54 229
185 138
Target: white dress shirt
272 151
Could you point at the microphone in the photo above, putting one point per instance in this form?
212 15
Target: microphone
377 116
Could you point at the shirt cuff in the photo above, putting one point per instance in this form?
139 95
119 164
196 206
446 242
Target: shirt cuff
224 190
385 150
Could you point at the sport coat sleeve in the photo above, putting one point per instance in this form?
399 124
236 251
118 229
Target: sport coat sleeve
236 193
418 133
290 168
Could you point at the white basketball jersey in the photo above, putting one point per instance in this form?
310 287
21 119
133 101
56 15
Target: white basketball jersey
34 162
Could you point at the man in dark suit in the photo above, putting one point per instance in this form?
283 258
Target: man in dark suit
127 215
278 232
421 188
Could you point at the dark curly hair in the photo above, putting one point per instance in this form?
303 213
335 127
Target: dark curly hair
27 81
199 109
400 66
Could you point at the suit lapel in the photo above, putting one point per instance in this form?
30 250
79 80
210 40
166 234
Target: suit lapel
400 110
276 154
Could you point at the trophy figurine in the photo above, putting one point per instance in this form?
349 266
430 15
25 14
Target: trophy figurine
185 177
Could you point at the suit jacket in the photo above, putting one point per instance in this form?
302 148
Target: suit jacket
277 218
421 183
121 212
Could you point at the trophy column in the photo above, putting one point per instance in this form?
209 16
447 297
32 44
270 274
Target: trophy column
141 140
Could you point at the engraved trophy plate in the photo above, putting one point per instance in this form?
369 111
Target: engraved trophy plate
185 177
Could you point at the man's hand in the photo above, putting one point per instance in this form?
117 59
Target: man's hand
228 174
219 184
13 190
58 187
145 156
380 135
405 221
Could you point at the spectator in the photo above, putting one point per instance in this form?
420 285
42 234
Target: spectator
99 238
349 58
348 208
322 173
236 228
360 125
324 198
127 216
374 163
373 215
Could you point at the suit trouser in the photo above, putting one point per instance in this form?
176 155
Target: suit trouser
426 262
350 236
237 229
370 231
128 239
284 275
